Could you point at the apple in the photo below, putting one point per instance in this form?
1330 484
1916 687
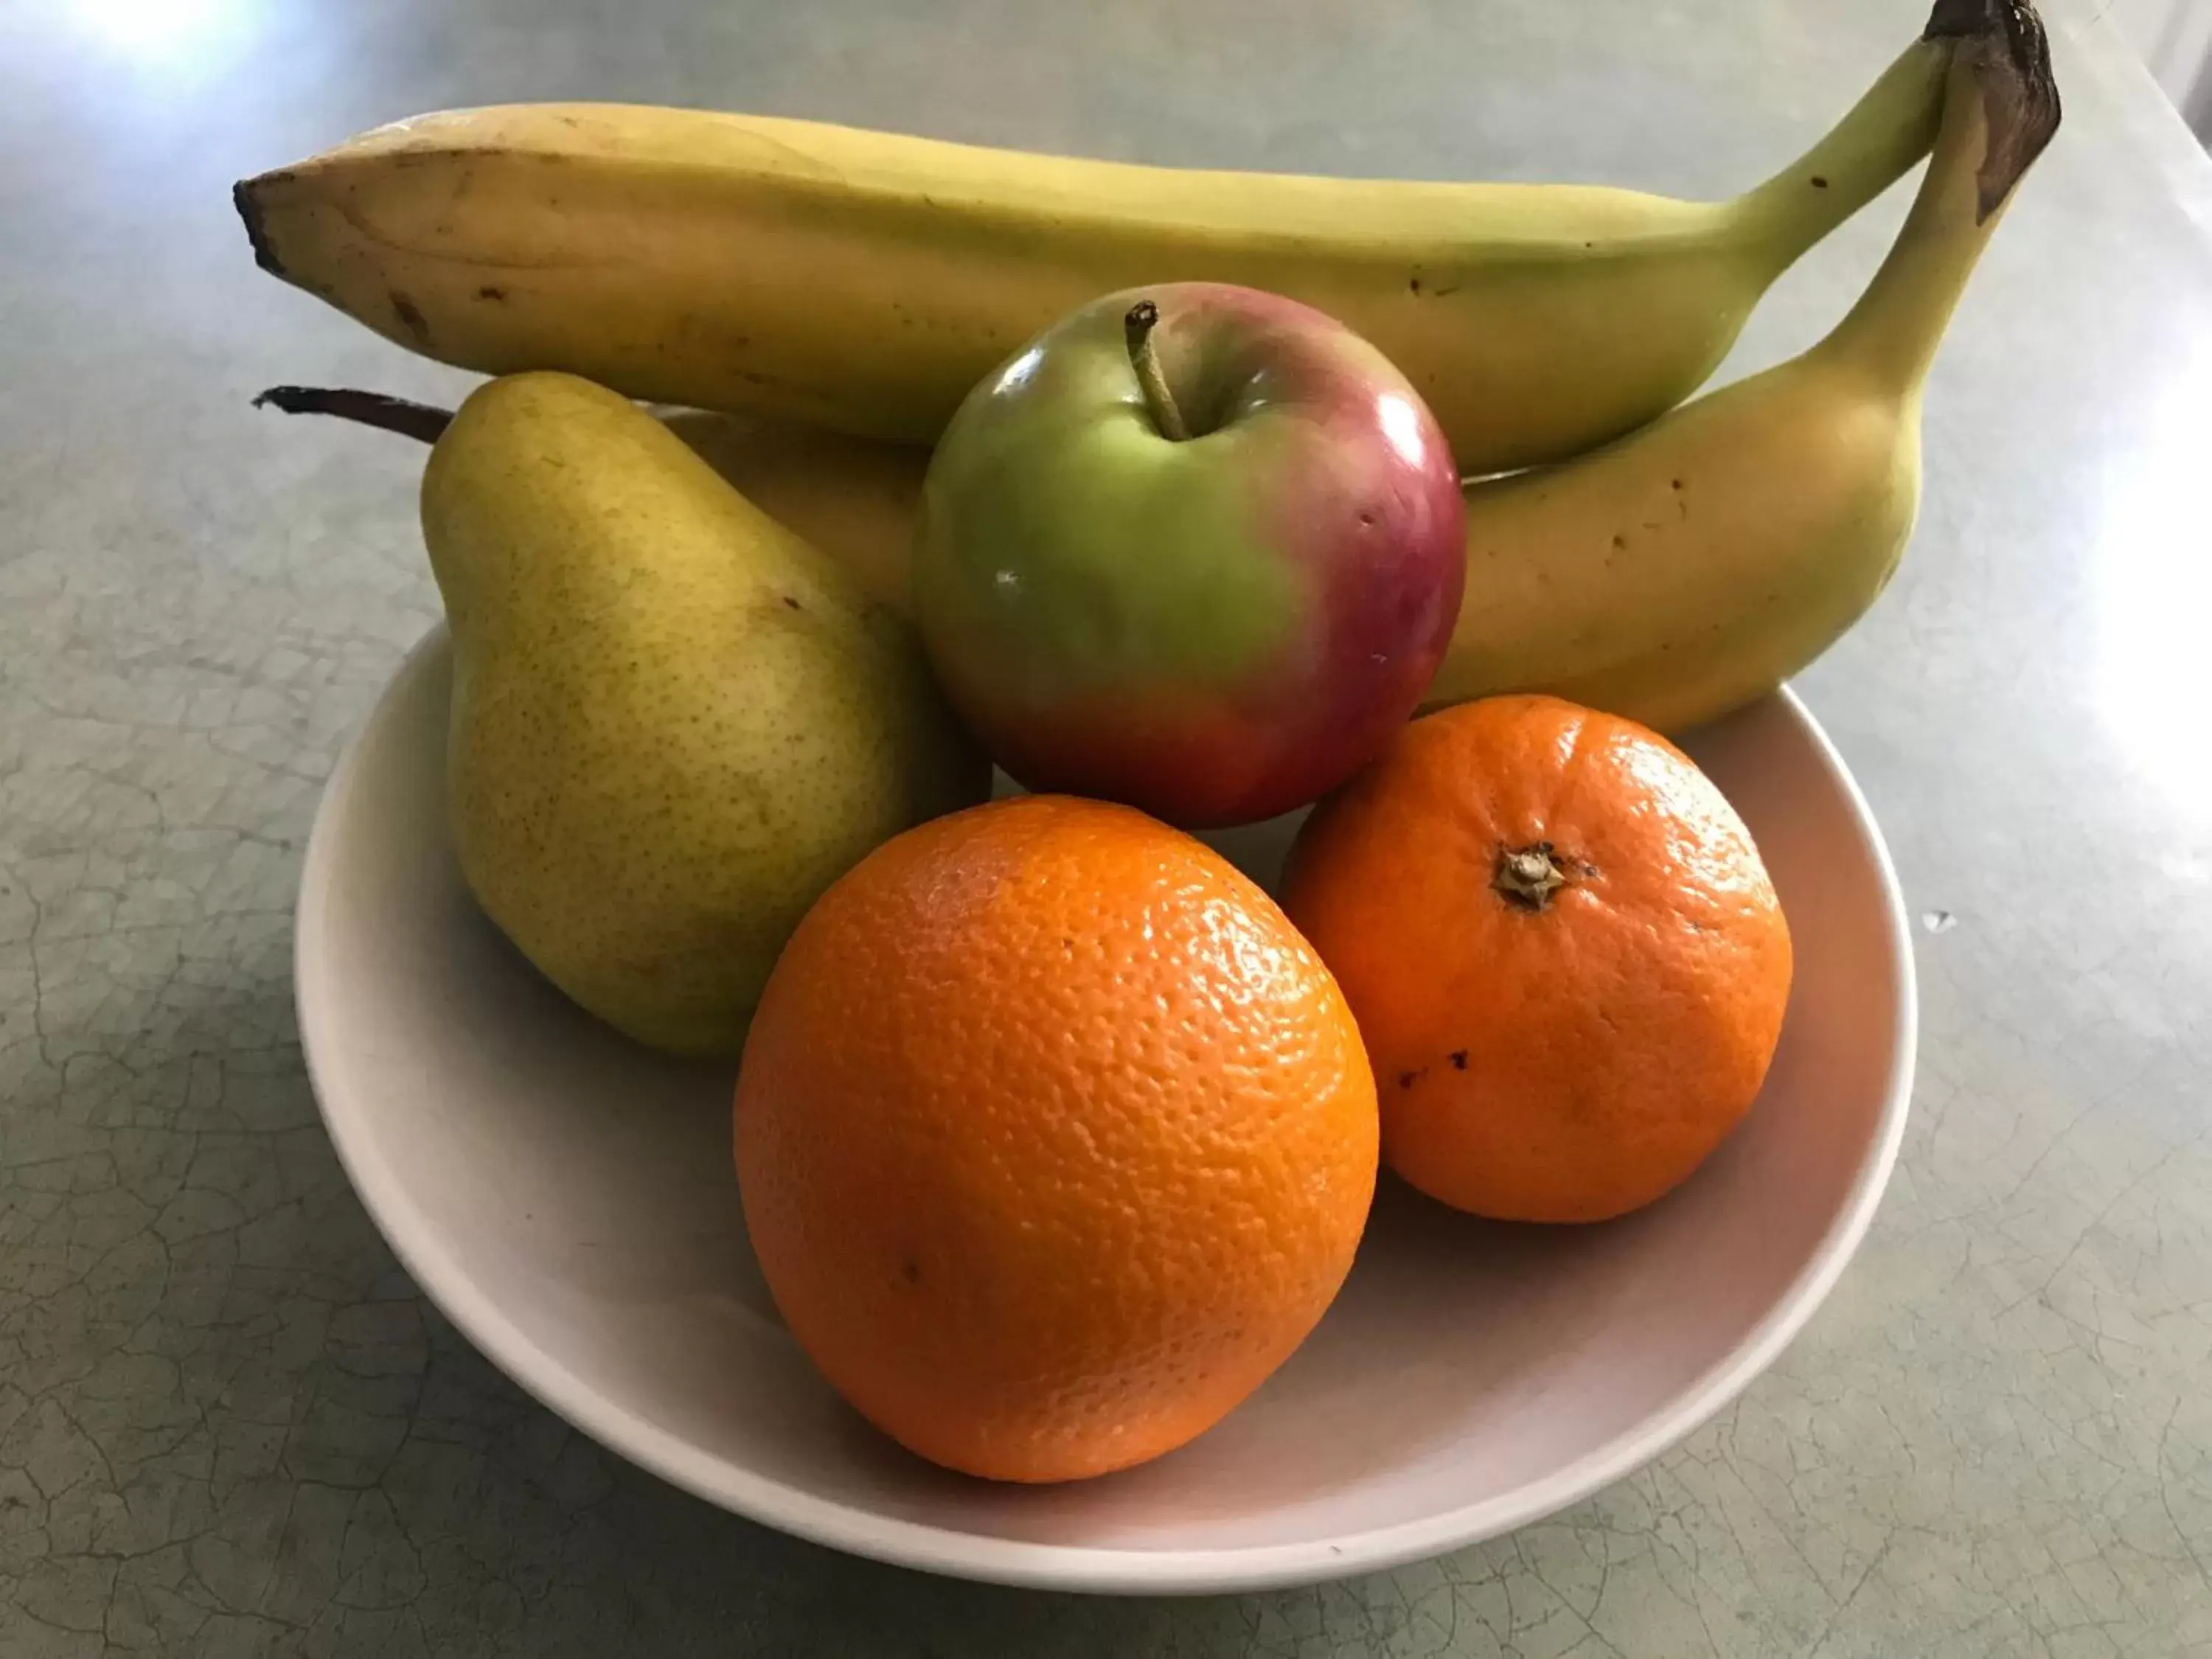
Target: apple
1197 548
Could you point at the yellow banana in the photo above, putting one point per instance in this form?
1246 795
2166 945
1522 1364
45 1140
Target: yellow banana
1701 561
865 282
1692 566
858 500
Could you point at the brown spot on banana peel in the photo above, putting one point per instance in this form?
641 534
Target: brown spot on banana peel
2004 43
411 318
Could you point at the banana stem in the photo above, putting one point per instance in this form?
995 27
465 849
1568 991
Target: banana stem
409 420
1137 330
2004 41
1888 130
2000 109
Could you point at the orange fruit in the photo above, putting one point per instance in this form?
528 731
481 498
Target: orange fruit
1565 953
1054 1138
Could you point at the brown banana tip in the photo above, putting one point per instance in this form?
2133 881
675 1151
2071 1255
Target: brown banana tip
256 230
2010 55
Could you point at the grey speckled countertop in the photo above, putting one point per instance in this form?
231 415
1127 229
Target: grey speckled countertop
229 1425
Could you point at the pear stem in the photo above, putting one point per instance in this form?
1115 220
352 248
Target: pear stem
1137 330
409 420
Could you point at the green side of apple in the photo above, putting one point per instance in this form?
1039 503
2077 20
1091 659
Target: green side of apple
1092 555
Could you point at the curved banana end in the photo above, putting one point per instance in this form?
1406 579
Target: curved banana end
248 205
2004 43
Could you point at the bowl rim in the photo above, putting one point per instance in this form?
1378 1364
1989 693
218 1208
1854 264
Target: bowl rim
1095 1568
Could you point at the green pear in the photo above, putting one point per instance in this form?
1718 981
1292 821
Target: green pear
674 722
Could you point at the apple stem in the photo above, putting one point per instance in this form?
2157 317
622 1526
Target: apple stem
409 420
1137 329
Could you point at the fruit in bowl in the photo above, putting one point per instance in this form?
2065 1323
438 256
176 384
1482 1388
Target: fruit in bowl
1196 548
674 721
1053 1138
1469 1377
1563 950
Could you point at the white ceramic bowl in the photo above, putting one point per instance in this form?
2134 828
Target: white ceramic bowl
568 1199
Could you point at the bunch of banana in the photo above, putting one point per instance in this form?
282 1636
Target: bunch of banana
865 281
1698 563
1689 567
1671 575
